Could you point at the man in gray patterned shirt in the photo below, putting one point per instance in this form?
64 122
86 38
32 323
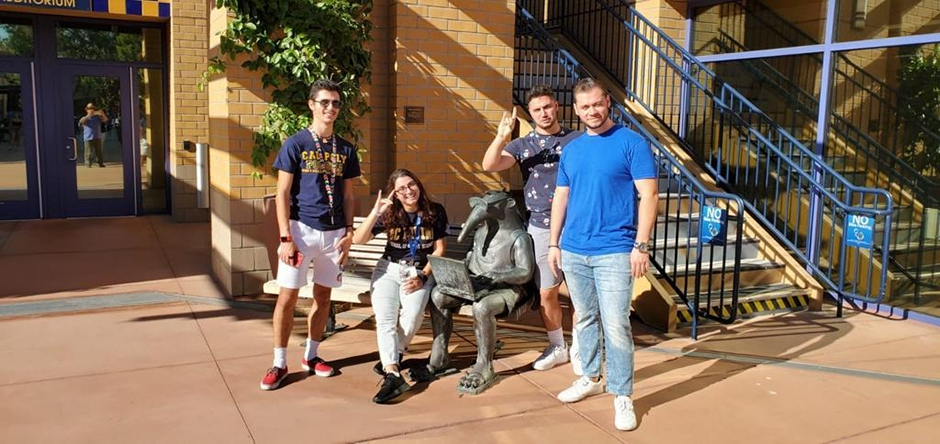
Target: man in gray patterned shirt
537 155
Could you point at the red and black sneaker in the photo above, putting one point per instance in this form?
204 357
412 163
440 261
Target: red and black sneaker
318 367
273 378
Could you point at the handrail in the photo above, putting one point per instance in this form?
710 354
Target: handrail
911 187
681 185
755 9
731 163
909 175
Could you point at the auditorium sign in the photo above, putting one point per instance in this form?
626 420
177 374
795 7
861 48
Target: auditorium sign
79 5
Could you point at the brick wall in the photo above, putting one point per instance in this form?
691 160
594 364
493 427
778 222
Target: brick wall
455 59
189 118
452 57
238 101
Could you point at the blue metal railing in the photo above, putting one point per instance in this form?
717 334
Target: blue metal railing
677 256
865 157
808 211
864 98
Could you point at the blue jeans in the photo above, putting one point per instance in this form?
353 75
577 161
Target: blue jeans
601 288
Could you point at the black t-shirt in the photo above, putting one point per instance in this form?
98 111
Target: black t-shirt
399 238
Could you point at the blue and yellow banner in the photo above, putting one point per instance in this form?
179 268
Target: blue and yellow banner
145 8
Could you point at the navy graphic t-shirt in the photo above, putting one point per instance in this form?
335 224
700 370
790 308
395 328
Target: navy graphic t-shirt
312 169
538 156
396 248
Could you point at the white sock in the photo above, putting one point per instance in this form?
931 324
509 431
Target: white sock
574 337
557 338
280 357
312 347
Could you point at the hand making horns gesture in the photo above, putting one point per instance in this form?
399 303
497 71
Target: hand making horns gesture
381 204
506 124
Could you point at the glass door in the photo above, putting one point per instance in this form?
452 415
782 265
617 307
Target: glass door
19 175
98 173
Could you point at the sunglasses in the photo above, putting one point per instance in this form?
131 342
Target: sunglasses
326 102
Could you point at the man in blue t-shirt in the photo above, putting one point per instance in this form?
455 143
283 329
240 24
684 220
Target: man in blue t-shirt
317 172
605 243
537 155
91 134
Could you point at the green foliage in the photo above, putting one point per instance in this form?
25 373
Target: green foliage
919 78
293 43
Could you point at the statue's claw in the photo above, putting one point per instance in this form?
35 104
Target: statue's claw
475 382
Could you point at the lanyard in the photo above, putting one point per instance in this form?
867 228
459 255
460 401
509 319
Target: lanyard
415 241
329 179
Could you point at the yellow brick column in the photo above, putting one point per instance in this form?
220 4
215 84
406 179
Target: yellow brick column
668 15
454 59
189 113
239 258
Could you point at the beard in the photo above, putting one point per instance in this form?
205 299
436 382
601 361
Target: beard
603 120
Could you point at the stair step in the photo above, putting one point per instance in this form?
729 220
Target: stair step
749 264
668 250
754 301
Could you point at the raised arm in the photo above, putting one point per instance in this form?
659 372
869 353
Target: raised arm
496 158
363 232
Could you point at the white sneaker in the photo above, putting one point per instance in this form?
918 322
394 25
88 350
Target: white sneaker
552 356
582 388
624 418
575 354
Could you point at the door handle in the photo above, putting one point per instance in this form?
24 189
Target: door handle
74 148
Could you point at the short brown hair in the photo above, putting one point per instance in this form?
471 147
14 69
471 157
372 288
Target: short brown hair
539 91
324 84
586 84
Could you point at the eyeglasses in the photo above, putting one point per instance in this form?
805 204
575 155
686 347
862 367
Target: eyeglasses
326 103
411 186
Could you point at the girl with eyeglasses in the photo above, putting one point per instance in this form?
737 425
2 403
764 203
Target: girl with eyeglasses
416 227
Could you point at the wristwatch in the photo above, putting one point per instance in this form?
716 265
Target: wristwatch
642 247
286 239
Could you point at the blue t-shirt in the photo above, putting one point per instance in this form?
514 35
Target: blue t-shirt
312 169
91 130
599 170
537 156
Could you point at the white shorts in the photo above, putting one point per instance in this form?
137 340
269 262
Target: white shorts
319 249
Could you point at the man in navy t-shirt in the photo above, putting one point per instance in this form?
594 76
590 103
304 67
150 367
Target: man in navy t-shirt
537 155
317 172
605 243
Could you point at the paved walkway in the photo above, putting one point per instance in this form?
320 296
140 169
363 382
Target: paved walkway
162 358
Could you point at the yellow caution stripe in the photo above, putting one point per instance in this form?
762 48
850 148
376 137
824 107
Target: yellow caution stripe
750 308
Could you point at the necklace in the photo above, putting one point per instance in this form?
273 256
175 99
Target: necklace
329 178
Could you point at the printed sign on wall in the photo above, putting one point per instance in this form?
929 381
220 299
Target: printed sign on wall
860 232
713 227
81 5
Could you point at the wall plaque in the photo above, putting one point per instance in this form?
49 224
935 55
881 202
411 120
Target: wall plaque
414 114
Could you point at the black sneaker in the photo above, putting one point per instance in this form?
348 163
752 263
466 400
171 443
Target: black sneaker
392 387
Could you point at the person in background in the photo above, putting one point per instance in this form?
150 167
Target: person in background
537 155
91 124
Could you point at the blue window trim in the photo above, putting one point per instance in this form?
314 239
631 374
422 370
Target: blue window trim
827 50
